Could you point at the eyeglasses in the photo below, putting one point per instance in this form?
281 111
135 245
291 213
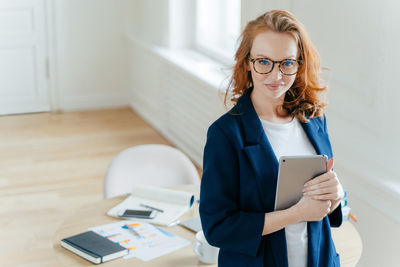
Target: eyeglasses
266 65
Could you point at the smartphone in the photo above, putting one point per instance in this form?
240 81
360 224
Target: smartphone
143 214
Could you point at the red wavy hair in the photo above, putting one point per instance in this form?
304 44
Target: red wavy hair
303 99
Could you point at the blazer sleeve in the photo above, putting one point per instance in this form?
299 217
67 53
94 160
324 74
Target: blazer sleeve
336 217
224 224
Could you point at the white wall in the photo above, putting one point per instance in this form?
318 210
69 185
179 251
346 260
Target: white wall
91 54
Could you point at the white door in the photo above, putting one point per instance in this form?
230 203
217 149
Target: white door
23 56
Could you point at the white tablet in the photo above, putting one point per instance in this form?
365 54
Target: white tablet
294 172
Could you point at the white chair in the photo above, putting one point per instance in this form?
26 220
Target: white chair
157 165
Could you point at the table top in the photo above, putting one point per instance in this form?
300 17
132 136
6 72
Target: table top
347 239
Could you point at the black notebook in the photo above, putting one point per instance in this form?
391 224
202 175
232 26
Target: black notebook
93 247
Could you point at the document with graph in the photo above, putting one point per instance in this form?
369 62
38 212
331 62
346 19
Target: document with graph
169 204
143 240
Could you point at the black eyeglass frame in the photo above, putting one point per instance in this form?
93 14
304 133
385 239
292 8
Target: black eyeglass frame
253 60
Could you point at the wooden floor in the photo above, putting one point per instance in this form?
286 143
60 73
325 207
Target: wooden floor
51 164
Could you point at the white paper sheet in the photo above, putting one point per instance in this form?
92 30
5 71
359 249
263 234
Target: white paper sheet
145 242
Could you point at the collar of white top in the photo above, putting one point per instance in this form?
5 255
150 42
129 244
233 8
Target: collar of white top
279 125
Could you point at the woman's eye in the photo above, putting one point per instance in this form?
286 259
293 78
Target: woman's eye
265 62
287 63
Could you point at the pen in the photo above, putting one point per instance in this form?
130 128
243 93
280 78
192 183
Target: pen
150 207
134 231
174 223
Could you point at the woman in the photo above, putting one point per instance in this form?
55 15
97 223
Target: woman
278 112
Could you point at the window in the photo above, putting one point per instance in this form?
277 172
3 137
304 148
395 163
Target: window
217 28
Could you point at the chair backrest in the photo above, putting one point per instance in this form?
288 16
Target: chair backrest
153 164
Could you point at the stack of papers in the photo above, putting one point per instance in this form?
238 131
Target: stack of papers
144 241
173 203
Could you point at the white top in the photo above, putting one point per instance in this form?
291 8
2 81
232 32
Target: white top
289 139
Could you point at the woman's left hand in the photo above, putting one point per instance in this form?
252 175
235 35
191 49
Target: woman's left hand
325 186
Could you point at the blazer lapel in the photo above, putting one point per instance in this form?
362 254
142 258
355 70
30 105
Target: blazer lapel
259 151
314 132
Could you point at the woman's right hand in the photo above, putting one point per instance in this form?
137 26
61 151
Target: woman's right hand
310 210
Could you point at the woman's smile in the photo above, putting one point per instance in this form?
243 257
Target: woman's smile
274 86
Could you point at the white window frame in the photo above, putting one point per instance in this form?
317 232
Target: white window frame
219 51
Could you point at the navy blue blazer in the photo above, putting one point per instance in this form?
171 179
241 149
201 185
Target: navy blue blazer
238 187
